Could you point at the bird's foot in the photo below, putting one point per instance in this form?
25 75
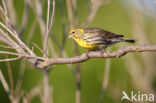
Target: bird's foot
102 52
87 52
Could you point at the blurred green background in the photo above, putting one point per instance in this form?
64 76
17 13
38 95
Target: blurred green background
117 16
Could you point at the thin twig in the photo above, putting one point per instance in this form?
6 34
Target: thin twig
7 47
10 59
11 81
17 38
39 48
106 74
12 11
71 6
4 83
24 18
78 86
45 39
31 33
52 17
19 56
39 14
47 92
10 53
23 62
105 80
48 26
4 6
20 77
35 91
6 39
70 13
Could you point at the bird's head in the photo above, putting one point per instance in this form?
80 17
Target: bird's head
76 33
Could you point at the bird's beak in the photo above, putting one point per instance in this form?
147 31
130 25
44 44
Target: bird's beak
70 36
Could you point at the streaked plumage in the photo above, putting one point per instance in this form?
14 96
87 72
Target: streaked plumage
95 38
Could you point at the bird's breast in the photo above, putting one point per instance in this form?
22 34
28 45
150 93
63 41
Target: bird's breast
84 44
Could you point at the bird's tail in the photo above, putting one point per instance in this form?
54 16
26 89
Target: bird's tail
129 40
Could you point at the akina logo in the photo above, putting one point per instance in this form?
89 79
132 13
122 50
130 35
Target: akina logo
137 97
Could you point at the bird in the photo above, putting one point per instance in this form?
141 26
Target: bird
96 38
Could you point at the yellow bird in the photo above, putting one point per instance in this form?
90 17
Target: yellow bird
95 38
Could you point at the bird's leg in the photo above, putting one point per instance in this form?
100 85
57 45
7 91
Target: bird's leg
103 50
87 53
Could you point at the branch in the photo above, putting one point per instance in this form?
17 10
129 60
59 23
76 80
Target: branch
96 54
10 59
48 25
3 81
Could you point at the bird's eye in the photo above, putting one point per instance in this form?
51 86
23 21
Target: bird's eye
73 32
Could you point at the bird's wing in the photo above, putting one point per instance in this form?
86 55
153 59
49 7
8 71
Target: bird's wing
94 39
101 32
107 34
99 36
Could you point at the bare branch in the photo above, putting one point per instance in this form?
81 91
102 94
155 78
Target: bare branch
20 77
70 13
11 80
7 47
11 11
35 91
10 53
3 81
45 40
105 80
46 94
106 74
17 38
39 14
24 18
10 59
4 6
52 17
97 54
39 48
46 87
48 25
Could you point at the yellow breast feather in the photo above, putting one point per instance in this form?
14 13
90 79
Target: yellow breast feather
84 44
